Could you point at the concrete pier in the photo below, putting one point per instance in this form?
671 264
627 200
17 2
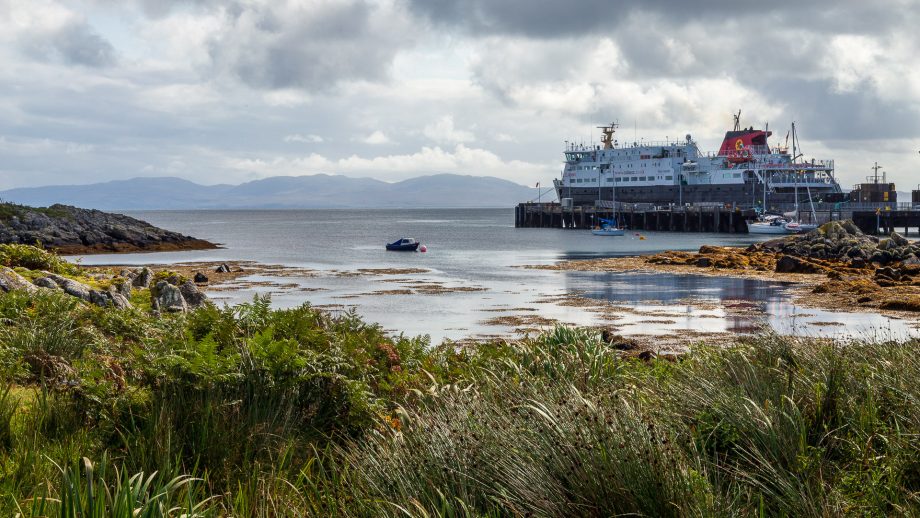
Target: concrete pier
679 219
883 219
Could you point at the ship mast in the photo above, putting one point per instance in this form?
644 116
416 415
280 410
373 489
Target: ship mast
607 134
796 154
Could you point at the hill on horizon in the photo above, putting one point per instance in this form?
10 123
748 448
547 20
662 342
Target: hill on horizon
282 192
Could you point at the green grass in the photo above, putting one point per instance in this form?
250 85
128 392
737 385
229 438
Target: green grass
34 258
250 411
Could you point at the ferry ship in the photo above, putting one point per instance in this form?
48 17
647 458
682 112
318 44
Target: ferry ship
746 172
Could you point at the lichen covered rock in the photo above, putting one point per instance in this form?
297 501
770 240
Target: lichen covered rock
10 280
167 298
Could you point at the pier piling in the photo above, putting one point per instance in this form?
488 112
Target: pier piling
871 220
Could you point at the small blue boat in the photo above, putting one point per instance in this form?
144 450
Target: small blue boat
406 244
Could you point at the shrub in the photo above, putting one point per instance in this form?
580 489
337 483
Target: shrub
42 324
34 258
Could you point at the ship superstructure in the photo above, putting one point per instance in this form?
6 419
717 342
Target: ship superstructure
745 172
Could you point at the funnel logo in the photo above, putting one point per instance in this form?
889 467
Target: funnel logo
739 144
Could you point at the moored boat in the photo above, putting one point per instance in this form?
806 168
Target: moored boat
608 228
406 244
773 225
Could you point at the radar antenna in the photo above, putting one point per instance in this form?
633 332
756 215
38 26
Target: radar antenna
737 117
874 177
607 134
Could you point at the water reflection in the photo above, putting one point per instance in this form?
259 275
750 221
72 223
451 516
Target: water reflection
724 304
634 287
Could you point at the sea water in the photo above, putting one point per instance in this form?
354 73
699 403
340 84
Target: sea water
480 250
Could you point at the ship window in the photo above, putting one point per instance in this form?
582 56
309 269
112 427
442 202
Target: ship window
634 178
609 180
668 177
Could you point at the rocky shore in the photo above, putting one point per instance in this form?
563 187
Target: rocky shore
837 265
71 230
159 290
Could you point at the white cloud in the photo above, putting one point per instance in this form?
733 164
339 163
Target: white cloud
303 139
444 132
428 160
850 59
377 137
286 98
179 98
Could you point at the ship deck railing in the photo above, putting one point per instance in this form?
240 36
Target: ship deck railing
579 148
651 207
815 182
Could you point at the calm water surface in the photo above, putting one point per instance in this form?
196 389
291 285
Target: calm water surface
482 249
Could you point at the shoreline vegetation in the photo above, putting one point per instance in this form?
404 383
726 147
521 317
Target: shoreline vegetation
250 411
131 394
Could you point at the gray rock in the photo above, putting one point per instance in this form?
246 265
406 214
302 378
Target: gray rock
65 226
10 280
45 282
174 278
118 300
201 278
223 268
143 279
192 295
899 240
99 298
166 297
912 260
850 228
72 287
124 289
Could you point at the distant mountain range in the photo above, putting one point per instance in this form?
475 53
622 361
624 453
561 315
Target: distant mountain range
315 191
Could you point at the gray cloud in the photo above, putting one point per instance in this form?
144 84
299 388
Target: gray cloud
784 57
74 43
313 47
78 44
580 17
826 113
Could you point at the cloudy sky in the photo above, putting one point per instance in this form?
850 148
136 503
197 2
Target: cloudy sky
228 91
